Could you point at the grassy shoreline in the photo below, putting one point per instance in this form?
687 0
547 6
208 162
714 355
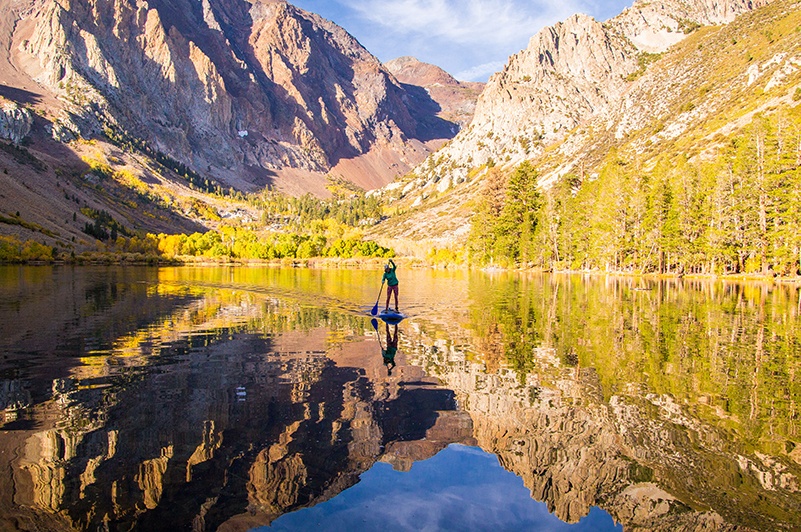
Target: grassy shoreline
138 259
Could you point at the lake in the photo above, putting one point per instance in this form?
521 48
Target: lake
258 398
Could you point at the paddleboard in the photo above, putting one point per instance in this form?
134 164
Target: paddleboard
391 316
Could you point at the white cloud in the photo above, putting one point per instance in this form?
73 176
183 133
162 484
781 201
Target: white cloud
472 38
491 22
480 72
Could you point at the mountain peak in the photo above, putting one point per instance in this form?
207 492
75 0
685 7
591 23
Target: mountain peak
408 69
455 100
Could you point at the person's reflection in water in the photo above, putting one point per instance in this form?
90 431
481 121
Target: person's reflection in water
392 348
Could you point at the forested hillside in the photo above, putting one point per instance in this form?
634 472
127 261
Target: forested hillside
738 212
696 171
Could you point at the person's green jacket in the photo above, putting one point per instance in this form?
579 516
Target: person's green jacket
389 276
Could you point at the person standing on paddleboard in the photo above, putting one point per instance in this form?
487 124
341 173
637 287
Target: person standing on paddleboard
392 283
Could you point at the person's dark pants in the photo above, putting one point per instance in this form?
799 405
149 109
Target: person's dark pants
392 290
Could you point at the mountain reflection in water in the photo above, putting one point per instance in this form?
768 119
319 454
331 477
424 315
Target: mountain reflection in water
224 398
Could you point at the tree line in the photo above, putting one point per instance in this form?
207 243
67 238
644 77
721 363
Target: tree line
737 212
13 250
241 243
296 213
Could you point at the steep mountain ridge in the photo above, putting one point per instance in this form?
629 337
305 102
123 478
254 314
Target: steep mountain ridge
570 74
251 94
567 74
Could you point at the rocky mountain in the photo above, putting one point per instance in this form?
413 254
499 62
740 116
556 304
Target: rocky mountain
15 122
573 73
455 100
249 94
583 87
568 73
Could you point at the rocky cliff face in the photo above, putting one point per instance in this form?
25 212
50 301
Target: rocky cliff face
572 74
655 26
251 93
568 73
15 122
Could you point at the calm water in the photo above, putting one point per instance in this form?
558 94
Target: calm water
258 398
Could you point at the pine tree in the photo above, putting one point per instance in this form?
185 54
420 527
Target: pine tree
518 218
481 241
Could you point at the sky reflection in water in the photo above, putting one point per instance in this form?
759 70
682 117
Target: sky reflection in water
461 488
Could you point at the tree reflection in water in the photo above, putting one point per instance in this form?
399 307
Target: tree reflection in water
671 404
224 398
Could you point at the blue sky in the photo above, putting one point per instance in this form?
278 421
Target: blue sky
471 39
461 489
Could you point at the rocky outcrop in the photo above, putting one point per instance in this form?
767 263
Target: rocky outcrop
15 122
655 26
246 92
567 74
572 74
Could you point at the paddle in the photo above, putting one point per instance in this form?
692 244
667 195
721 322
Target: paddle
375 308
374 323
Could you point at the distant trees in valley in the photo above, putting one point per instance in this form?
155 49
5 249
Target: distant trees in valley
14 250
238 243
297 213
290 228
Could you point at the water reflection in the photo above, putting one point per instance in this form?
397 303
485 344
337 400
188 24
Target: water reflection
387 353
224 408
223 398
672 404
461 488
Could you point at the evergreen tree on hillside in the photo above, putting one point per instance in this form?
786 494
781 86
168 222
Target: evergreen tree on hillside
504 226
737 211
517 221
481 242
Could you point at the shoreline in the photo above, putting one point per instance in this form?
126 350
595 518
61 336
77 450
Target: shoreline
377 263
